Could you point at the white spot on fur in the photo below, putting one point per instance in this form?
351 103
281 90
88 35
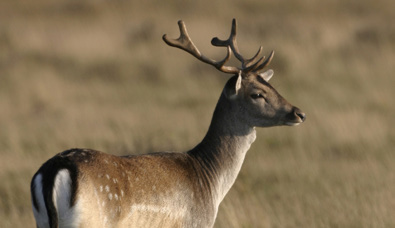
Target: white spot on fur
116 196
122 193
98 203
108 176
107 188
110 196
70 154
105 160
101 188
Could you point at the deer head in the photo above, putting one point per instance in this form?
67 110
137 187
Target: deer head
257 103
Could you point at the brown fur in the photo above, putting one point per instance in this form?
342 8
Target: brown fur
173 189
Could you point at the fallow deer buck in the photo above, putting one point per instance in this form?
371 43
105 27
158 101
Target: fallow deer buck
87 188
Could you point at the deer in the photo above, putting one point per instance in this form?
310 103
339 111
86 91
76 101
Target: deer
88 188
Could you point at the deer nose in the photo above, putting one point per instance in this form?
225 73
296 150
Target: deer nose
300 114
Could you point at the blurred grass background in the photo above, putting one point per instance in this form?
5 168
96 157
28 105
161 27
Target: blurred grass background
96 74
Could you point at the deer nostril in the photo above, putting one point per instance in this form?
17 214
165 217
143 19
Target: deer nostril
301 115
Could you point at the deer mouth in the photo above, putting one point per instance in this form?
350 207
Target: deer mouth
293 123
297 117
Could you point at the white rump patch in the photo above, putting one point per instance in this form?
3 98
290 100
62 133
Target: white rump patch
41 215
67 217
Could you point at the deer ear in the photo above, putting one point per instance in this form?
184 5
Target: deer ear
232 88
267 75
238 84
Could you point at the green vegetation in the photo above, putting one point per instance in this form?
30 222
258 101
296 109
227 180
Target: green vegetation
96 74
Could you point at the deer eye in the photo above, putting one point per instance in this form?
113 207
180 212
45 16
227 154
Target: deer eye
257 95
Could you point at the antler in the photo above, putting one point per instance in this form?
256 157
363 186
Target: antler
185 43
253 64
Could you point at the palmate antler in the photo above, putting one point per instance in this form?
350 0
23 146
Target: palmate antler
254 64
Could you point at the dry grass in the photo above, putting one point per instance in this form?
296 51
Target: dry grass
96 74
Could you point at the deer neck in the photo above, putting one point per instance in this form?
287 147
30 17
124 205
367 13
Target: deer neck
222 151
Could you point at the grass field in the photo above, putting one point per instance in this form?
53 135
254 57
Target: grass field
96 74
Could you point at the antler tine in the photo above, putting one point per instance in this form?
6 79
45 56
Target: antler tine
262 65
231 41
252 61
247 64
185 43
